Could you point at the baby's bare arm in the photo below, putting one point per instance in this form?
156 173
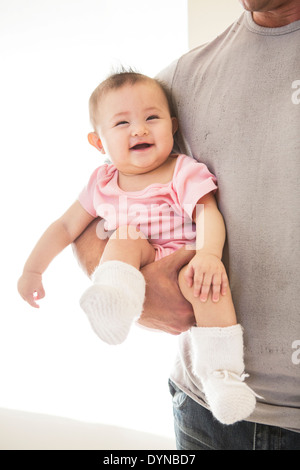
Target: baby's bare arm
206 272
58 235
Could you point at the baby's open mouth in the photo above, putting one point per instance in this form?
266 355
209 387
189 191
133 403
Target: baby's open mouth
140 146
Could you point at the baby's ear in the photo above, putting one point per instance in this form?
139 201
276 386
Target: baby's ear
95 140
174 125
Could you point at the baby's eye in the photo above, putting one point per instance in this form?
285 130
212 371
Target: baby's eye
121 123
154 116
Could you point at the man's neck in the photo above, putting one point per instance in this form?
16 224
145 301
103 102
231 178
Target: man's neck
278 17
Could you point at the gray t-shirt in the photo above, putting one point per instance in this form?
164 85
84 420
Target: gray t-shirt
238 103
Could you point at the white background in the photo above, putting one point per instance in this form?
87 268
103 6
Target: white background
53 54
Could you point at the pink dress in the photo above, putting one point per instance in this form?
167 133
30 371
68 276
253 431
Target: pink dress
163 212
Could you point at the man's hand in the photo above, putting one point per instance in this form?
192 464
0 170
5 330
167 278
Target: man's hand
165 307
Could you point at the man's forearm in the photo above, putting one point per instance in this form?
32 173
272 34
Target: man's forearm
88 248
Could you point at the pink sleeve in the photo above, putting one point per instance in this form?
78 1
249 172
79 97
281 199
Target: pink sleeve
86 196
192 181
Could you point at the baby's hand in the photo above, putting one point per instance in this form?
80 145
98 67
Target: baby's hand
30 288
206 271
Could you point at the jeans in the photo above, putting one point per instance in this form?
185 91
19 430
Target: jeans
197 429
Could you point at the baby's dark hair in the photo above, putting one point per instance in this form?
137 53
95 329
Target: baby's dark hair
117 80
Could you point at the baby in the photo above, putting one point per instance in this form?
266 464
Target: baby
151 202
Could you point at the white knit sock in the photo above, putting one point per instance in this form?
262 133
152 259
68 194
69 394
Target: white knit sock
114 300
218 362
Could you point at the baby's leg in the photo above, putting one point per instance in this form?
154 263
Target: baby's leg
218 350
129 245
209 314
116 298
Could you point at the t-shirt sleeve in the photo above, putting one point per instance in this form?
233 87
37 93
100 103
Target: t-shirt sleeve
87 195
192 181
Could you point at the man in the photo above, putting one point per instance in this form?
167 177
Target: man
238 104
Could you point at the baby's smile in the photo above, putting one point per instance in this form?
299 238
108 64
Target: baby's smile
141 146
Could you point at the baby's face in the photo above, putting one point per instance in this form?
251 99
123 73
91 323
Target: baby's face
135 127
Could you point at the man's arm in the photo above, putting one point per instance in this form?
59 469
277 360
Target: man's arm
88 248
165 308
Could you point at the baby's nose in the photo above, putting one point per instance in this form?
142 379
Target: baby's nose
139 130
